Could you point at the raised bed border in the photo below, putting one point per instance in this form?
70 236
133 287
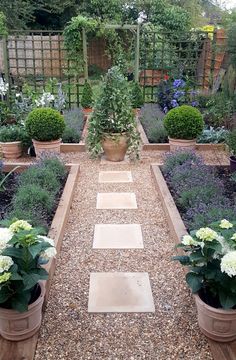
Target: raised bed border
26 349
220 351
147 146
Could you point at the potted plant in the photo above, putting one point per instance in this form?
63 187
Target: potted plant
87 99
137 98
231 142
45 126
210 254
112 126
23 251
11 138
183 125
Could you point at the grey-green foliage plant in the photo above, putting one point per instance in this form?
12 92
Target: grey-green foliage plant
113 114
74 120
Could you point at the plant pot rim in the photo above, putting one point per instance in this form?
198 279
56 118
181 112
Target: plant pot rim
211 308
46 142
30 307
10 142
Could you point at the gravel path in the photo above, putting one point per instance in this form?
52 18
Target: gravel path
68 332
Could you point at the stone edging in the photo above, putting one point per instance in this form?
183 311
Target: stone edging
26 349
220 351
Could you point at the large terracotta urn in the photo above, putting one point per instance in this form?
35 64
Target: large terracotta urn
11 150
115 146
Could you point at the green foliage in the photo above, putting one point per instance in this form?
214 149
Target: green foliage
3 24
113 113
55 165
184 122
231 44
219 111
5 113
42 176
204 194
231 142
211 259
136 96
45 124
12 133
74 120
229 83
87 96
23 255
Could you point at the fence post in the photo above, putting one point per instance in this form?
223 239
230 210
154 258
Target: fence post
137 51
85 54
6 68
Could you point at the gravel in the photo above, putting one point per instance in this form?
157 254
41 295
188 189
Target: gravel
68 331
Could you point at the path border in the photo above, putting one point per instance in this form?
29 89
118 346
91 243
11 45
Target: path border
25 350
220 351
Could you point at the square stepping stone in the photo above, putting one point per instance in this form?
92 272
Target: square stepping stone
115 177
116 200
119 292
118 236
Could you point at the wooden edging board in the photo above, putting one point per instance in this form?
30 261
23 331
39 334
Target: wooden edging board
166 147
220 351
25 350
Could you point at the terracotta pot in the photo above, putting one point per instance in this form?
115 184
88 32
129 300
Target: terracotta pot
47 146
136 111
16 326
12 150
87 112
176 144
115 148
217 324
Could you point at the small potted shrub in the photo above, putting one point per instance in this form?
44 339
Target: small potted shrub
210 254
112 126
137 98
231 142
11 138
87 99
22 252
183 125
45 126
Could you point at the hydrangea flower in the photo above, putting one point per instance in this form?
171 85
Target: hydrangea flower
49 252
5 263
225 224
179 83
5 236
233 237
5 277
20 225
207 234
189 241
228 264
174 103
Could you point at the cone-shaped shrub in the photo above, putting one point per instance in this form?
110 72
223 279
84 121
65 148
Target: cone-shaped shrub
87 96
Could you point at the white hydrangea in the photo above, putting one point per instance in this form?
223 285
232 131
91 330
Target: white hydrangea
48 253
189 241
5 263
206 234
228 263
233 237
225 224
46 239
20 225
5 236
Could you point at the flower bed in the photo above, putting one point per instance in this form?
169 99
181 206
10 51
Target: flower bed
202 193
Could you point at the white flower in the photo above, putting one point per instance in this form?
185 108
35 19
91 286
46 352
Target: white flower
20 225
225 224
46 239
228 263
207 234
233 237
5 236
5 263
48 253
188 240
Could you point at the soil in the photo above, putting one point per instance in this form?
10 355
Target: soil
6 194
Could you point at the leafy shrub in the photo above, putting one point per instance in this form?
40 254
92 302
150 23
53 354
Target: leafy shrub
184 122
45 124
56 165
197 189
213 136
14 133
231 142
219 111
87 96
95 72
74 120
4 113
42 176
136 96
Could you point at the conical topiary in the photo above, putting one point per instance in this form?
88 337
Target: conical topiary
137 96
87 96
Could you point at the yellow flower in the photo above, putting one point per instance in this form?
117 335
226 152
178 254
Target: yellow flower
225 224
5 277
207 234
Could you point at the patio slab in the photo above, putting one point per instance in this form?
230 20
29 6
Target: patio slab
115 177
116 200
119 292
118 236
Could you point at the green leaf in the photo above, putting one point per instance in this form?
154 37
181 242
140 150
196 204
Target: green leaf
13 252
4 294
42 272
30 280
227 300
197 256
194 281
20 301
184 260
15 277
214 245
35 249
